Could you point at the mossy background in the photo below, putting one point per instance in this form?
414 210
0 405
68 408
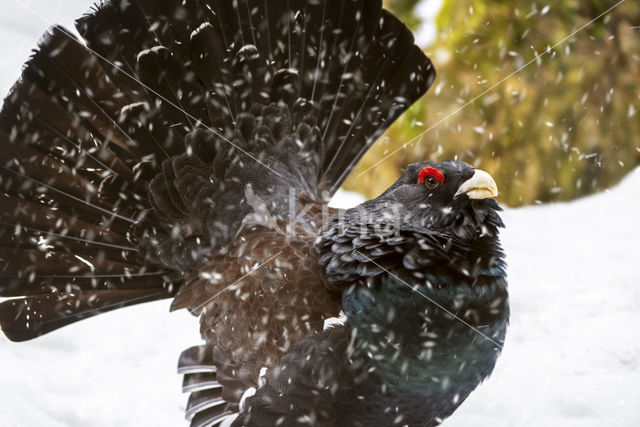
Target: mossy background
565 126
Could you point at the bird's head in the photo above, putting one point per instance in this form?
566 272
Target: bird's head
447 197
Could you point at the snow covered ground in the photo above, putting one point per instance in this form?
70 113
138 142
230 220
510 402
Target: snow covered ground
572 355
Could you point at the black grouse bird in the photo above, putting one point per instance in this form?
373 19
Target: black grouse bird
187 149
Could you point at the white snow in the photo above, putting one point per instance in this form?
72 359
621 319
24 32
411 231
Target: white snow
22 23
427 10
572 355
117 369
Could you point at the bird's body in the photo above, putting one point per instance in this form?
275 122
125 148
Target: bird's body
427 312
188 151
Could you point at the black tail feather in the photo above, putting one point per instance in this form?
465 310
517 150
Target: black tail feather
210 417
199 381
196 359
27 318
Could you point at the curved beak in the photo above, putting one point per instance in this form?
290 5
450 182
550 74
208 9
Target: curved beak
480 186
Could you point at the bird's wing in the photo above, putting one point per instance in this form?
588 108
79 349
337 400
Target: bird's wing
255 301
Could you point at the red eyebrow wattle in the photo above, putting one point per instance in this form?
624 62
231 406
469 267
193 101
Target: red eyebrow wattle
424 173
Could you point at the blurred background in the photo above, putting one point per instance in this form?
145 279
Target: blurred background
564 126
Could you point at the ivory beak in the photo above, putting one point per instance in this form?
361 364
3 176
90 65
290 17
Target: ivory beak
480 186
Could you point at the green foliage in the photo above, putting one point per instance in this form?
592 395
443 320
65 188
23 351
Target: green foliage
563 126
403 9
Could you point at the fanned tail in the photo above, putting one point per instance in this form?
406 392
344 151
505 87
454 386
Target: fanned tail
354 62
126 162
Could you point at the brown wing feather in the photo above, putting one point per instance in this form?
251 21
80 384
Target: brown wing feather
259 296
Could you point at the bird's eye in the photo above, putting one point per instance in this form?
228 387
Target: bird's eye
431 177
431 182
